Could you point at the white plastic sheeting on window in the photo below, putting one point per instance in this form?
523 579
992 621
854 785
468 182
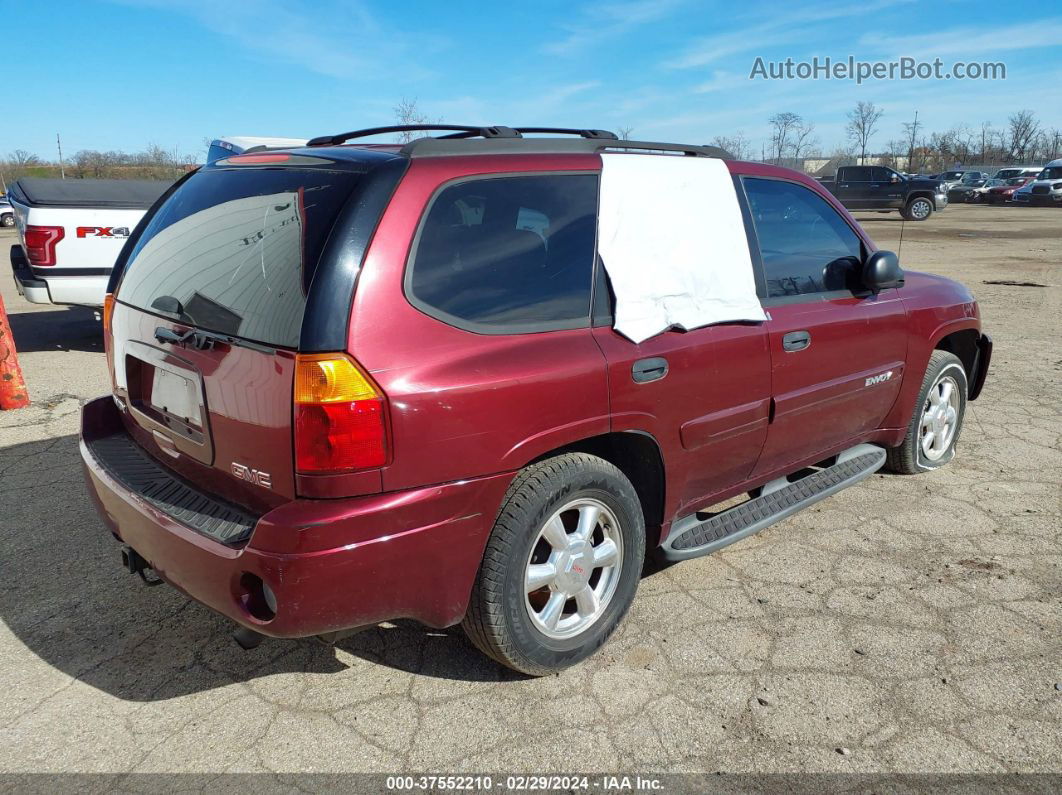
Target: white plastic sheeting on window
672 240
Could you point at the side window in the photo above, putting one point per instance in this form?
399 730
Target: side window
879 174
508 254
805 245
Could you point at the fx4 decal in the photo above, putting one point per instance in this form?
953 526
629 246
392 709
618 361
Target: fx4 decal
877 379
103 231
258 478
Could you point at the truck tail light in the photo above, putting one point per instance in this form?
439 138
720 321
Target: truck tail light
340 416
40 244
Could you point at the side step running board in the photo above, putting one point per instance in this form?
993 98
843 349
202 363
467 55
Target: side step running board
692 537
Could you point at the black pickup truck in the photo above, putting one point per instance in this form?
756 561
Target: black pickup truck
882 189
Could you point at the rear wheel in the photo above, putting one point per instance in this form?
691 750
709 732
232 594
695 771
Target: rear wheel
561 566
918 209
935 426
7 220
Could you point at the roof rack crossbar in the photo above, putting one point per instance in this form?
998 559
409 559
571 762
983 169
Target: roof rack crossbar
464 131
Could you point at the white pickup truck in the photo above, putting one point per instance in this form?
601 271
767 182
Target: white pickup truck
70 232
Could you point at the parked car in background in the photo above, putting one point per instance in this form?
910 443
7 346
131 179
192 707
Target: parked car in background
949 178
230 145
1004 192
965 189
1046 189
355 384
70 232
880 188
977 195
1010 172
7 213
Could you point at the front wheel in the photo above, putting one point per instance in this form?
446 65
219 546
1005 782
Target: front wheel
7 220
561 566
918 209
937 421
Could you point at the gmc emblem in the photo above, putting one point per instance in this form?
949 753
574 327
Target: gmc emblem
258 478
103 231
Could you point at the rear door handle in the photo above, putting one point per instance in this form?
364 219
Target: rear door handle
796 341
645 370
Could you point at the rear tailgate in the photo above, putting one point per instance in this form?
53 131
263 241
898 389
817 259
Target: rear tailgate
73 230
91 238
207 320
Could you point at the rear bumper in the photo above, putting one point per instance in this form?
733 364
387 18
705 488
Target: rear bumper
332 564
51 286
32 289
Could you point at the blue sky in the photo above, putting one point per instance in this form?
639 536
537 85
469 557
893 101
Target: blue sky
125 73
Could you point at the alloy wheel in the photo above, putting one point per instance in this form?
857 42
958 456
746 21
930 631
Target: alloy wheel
573 569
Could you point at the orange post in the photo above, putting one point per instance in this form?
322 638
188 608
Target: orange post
13 393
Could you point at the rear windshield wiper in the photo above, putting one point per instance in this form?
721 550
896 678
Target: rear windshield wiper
203 340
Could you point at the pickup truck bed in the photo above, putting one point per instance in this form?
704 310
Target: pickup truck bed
70 232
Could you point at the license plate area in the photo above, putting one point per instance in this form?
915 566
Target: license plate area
166 397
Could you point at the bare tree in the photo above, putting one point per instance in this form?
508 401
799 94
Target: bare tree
892 157
20 158
804 141
782 125
624 133
1023 128
407 112
1052 144
910 133
737 145
986 142
862 124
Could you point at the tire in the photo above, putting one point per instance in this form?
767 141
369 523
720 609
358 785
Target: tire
918 209
910 457
7 220
510 624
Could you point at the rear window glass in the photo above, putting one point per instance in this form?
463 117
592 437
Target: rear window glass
508 254
234 251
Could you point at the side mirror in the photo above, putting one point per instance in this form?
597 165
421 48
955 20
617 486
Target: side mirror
894 178
881 271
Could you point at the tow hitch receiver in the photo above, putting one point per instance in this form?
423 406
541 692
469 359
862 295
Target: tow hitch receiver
132 561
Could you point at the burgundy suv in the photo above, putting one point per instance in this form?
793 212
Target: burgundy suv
356 382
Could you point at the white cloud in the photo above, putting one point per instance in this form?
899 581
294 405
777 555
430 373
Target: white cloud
342 40
608 20
781 28
720 81
973 42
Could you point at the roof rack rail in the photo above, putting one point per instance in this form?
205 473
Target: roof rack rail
437 147
463 130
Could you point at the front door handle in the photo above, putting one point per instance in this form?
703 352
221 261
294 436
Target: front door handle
796 341
645 370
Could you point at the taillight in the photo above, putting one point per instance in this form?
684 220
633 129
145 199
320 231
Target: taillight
108 310
40 244
340 416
